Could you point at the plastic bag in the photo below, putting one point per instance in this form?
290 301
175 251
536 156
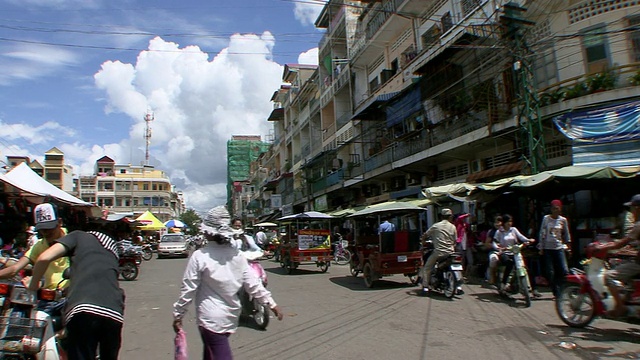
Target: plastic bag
181 346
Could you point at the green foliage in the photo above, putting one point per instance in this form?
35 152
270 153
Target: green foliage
192 220
577 90
635 78
602 81
552 96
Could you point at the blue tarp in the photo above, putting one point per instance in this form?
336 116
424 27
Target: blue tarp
400 109
602 125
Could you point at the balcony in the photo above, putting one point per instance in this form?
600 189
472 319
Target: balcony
335 177
328 132
343 120
306 150
318 185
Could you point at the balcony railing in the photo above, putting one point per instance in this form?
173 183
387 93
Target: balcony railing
335 177
328 132
343 120
306 150
319 185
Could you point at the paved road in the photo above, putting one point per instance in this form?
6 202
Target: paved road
333 316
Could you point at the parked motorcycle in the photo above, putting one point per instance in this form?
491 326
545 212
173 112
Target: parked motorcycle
25 332
519 279
446 276
147 252
585 294
251 307
130 258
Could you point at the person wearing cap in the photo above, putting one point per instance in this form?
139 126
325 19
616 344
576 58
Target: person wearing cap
625 272
443 235
49 224
213 276
554 240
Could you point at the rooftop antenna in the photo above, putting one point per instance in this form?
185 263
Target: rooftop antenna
147 135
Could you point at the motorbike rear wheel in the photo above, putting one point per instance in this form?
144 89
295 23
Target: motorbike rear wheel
367 274
324 266
450 284
269 254
129 271
574 308
260 315
147 254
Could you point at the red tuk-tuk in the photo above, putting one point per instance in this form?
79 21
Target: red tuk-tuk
305 237
379 253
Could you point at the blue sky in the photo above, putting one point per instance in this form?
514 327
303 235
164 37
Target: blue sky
81 75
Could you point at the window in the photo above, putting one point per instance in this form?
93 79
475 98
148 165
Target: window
635 39
154 186
145 186
468 6
123 171
53 176
594 43
373 85
431 36
546 67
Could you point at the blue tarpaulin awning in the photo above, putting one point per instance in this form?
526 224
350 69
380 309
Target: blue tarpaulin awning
403 107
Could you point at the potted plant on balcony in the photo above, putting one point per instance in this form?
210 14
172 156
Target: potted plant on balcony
602 81
577 90
552 96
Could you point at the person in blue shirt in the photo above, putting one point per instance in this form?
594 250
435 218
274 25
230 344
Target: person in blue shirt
386 226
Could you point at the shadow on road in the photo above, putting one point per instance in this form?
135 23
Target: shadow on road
603 335
298 271
357 284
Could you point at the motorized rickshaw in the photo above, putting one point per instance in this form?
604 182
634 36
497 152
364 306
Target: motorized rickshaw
305 237
384 253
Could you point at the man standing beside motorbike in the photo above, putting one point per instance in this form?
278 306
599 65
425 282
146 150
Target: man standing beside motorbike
555 239
624 273
443 235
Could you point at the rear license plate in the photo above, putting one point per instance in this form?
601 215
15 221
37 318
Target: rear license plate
456 267
402 258
314 258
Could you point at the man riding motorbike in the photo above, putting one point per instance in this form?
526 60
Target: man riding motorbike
624 273
443 235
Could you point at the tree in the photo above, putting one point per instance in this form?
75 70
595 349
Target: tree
192 221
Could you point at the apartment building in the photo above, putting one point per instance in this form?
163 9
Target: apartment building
131 189
56 171
411 94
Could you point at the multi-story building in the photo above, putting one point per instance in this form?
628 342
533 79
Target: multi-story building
131 189
241 151
15 160
411 94
56 171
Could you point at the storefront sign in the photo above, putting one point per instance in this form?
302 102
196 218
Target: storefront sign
308 239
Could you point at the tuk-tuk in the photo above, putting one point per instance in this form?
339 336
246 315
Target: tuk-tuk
305 237
390 249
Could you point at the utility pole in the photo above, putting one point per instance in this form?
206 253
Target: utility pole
529 120
147 135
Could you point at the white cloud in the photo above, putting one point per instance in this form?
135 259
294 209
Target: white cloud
198 104
30 61
309 57
307 12
34 135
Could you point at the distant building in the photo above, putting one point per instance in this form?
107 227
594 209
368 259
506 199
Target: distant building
131 189
241 151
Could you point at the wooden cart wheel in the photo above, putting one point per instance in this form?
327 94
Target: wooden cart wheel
367 274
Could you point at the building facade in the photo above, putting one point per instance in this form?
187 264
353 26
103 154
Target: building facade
131 189
410 94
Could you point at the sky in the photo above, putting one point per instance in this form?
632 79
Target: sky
81 75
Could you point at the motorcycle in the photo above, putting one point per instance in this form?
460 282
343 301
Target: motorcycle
446 276
519 279
251 307
585 294
147 252
130 258
25 332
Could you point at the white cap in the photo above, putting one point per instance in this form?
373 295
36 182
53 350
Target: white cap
45 216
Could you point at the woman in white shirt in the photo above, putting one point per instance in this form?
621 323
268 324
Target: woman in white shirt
214 275
507 236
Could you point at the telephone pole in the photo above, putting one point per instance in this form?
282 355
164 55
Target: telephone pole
147 135
529 120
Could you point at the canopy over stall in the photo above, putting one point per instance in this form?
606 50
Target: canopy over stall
149 222
34 186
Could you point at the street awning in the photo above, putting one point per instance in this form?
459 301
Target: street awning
385 207
460 189
26 180
577 173
507 169
373 104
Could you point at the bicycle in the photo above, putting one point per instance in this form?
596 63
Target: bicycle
341 256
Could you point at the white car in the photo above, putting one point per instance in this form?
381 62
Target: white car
173 245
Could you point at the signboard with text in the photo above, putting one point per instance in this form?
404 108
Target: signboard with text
308 239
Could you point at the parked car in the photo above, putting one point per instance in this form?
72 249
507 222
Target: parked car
173 245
